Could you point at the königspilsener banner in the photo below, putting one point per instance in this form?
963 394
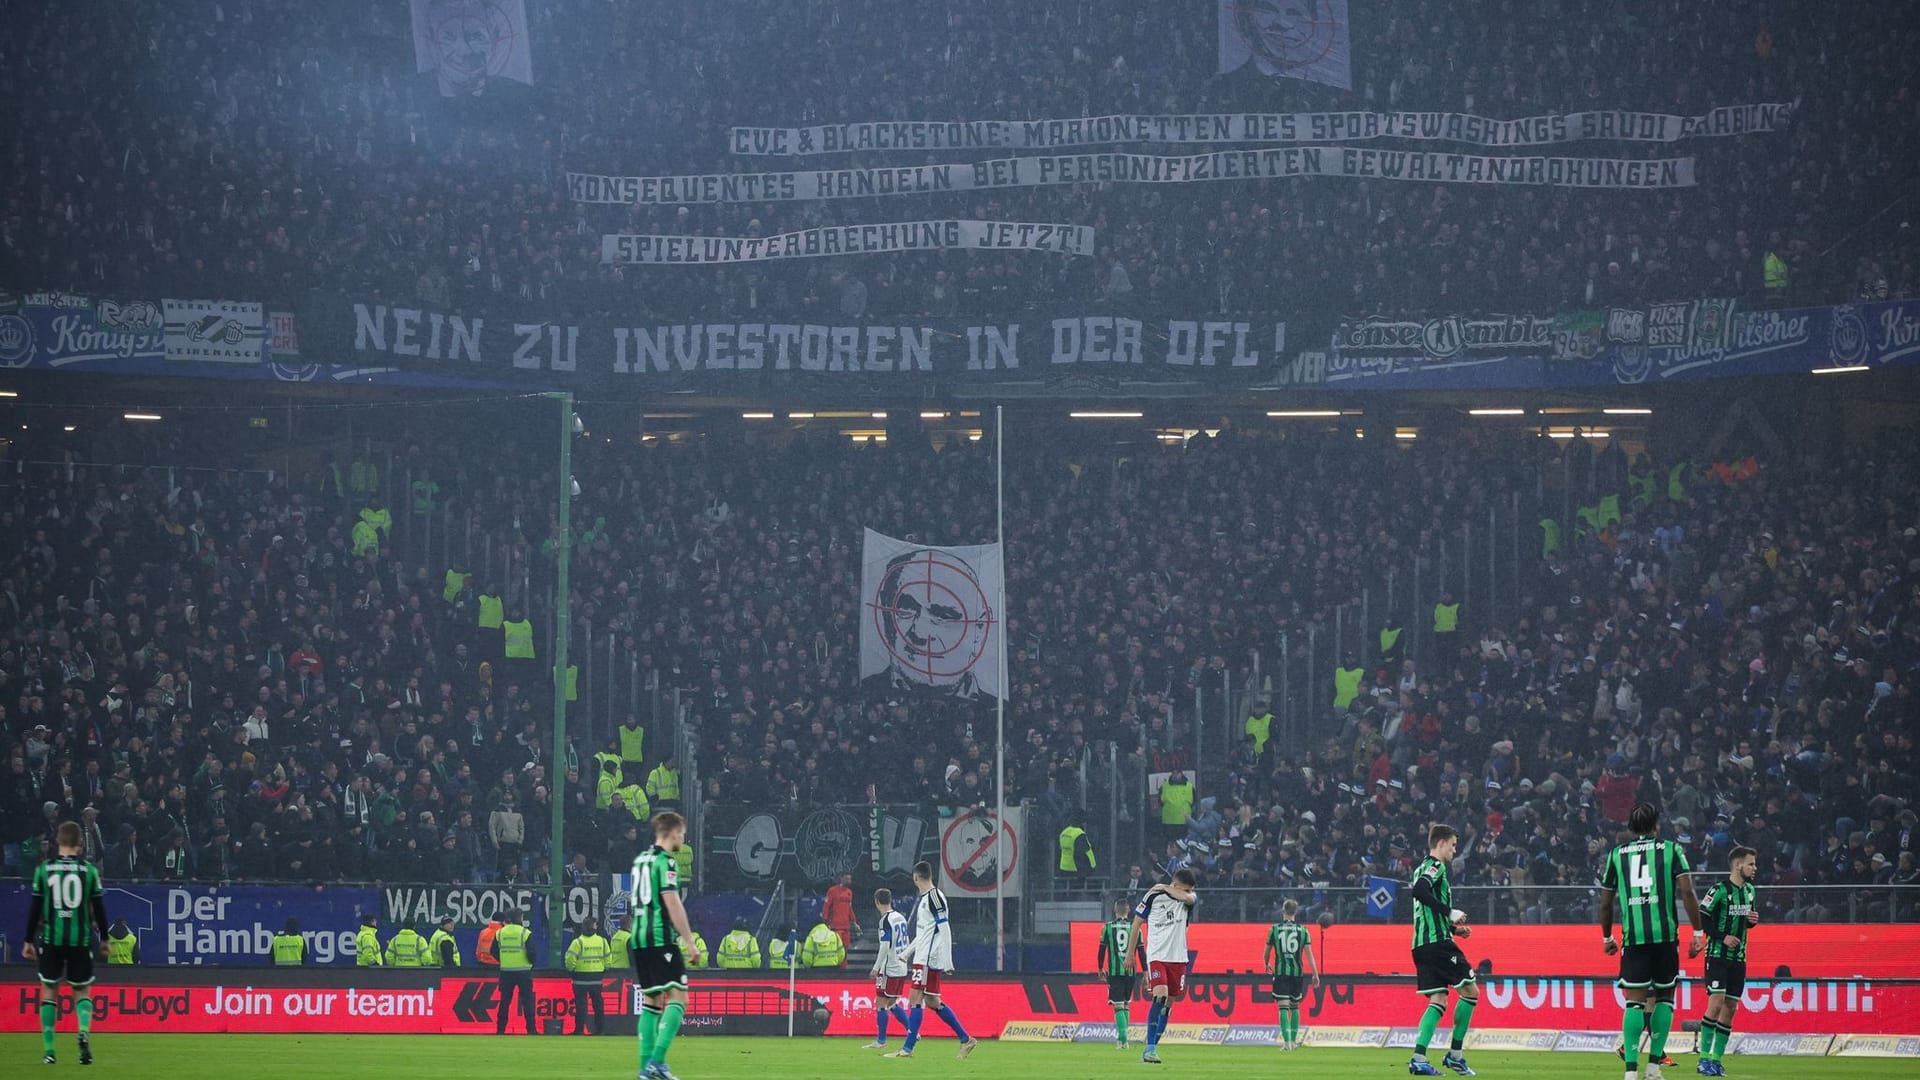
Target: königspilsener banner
895 236
1274 163
1617 125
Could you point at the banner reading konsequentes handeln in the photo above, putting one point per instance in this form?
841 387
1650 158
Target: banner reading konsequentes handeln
1273 163
888 237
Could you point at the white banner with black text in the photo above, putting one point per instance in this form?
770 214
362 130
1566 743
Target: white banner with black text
889 237
1615 125
1277 163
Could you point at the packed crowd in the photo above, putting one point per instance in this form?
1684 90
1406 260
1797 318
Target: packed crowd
225 677
263 148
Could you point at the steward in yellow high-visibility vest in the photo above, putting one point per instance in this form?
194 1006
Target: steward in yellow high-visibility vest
739 951
1446 616
456 584
123 945
366 943
610 777
289 948
442 950
587 959
518 638
1346 683
633 744
663 783
407 949
1076 851
513 947
1390 644
1176 799
621 941
1260 726
633 799
782 952
701 960
493 611
822 948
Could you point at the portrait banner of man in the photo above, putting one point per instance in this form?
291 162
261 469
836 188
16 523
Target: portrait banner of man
1294 39
466 44
930 616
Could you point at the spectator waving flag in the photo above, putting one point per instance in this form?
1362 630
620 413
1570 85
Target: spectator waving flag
468 43
1381 893
930 616
1297 39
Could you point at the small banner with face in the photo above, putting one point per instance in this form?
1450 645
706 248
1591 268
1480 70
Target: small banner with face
930 616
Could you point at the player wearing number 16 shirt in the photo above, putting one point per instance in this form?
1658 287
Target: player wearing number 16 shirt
67 915
1641 878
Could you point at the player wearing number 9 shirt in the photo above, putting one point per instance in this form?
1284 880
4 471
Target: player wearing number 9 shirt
66 916
1641 877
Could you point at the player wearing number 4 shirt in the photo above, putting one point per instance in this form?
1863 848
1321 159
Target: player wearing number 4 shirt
1642 878
930 957
66 916
1161 918
1730 911
1438 963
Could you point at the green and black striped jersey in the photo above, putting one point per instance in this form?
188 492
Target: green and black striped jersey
1724 909
1287 941
655 874
1430 926
1645 875
1116 948
66 898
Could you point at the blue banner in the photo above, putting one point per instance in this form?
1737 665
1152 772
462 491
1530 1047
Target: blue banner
193 924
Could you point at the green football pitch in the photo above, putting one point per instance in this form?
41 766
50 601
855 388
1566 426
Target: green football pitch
460 1057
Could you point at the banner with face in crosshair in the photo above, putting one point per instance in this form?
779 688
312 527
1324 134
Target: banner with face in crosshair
930 618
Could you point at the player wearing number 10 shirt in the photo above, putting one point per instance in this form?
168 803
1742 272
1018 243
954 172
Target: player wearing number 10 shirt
68 912
1641 878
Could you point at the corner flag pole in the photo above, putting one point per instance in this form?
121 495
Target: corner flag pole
1000 702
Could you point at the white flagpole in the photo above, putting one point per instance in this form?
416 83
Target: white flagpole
1000 703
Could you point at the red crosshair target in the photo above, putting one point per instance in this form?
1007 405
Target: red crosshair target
932 615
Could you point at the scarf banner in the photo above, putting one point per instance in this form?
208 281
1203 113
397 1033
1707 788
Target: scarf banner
930 618
214 331
847 240
1277 163
1291 39
1298 127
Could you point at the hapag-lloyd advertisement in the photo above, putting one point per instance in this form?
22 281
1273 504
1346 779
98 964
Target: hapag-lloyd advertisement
466 1004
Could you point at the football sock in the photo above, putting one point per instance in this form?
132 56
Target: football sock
914 1016
649 1026
1282 1020
670 1018
1429 1021
899 1012
1293 1023
1153 1022
1721 1035
1160 1023
945 1013
1632 1023
1462 1014
1709 1031
1662 1025
49 1015
1121 1018
880 1018
83 1011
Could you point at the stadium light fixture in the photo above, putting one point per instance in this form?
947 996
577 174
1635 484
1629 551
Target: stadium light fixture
1407 435
1847 369
881 415
1106 415
140 416
756 416
9 393
1303 414
933 416
1627 412
1496 412
799 416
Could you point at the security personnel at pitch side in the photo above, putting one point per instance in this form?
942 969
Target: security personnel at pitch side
620 941
289 948
739 951
442 950
407 949
513 947
1076 851
123 945
366 943
587 960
